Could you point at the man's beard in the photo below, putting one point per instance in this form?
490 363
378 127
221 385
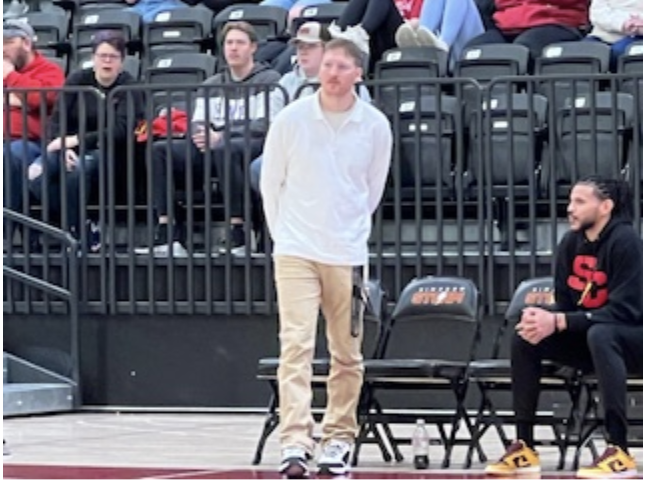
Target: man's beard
21 60
585 225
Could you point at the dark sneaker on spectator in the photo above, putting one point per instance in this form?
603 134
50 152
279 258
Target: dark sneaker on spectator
93 237
162 246
335 458
293 463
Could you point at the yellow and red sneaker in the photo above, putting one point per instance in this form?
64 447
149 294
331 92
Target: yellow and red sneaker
614 463
519 459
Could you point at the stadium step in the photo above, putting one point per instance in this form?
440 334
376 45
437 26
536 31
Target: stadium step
28 389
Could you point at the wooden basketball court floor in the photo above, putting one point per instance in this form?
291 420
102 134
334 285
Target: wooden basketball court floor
101 445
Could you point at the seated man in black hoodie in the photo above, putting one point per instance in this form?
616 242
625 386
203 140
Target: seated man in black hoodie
596 327
79 134
228 128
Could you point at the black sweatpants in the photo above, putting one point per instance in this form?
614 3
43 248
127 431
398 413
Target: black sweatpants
610 351
166 171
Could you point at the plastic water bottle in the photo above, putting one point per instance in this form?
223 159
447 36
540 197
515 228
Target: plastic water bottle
420 444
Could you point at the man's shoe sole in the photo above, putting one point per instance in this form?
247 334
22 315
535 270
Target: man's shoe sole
521 471
334 471
628 474
295 471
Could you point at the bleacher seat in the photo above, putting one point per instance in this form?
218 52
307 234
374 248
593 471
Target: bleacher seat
506 138
87 26
426 133
268 21
574 58
182 29
86 6
184 68
324 13
632 62
51 29
485 62
592 133
176 69
410 63
565 58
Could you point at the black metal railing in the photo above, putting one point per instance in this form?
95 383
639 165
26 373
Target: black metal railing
24 285
478 188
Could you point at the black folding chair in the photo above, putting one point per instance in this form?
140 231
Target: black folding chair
429 341
494 376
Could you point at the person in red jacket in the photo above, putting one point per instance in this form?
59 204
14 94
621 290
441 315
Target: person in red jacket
536 23
23 68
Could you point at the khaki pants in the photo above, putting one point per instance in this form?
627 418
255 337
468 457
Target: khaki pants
303 286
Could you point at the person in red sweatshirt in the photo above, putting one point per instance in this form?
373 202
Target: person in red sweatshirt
536 23
23 68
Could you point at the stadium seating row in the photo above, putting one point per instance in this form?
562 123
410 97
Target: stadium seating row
190 29
196 30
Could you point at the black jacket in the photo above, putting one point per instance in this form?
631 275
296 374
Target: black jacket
78 113
600 281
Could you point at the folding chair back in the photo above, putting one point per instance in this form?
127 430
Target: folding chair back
431 337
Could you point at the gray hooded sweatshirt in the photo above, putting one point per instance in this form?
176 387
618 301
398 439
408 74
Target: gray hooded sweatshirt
237 105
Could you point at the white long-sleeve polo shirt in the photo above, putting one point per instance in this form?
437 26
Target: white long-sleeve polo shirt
320 187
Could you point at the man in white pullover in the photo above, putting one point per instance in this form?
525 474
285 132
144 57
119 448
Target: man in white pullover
326 161
310 41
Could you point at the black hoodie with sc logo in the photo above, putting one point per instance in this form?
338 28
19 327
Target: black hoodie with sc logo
600 281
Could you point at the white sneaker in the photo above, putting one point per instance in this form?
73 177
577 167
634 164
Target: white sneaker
360 37
335 458
428 38
406 36
334 30
293 463
174 249
355 34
